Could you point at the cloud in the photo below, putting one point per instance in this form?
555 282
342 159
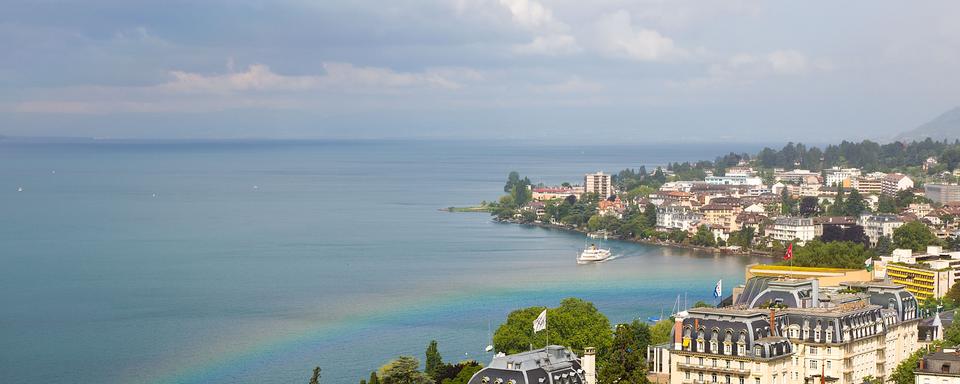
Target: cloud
746 68
615 36
258 86
529 14
552 45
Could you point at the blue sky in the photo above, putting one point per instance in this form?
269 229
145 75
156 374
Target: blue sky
563 71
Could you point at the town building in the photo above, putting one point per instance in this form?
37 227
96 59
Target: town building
842 222
877 226
553 364
802 176
614 207
895 182
843 177
826 277
940 367
932 328
942 193
926 275
553 193
788 229
721 216
672 217
867 185
599 183
796 332
671 198
734 179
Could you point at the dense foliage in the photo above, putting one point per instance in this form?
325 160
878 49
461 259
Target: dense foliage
575 324
403 370
867 155
625 362
837 254
914 235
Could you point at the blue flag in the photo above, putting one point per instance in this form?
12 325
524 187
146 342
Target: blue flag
719 289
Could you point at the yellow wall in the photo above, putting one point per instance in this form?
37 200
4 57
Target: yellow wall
827 277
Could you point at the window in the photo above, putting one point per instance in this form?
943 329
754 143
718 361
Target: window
713 377
741 380
713 362
726 348
756 380
743 366
700 376
727 363
758 350
813 364
686 359
829 350
686 375
828 363
700 345
816 335
813 350
741 350
713 346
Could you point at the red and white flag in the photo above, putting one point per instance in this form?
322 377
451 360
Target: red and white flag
789 254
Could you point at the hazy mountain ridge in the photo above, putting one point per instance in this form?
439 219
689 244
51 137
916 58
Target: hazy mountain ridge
945 126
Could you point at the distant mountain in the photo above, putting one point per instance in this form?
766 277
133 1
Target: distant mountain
945 126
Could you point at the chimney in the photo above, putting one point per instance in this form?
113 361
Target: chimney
589 365
678 330
773 322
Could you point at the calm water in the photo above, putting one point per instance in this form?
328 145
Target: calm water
254 262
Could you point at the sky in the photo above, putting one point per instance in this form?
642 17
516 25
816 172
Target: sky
553 71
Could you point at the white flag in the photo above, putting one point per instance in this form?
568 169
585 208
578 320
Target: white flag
718 290
541 322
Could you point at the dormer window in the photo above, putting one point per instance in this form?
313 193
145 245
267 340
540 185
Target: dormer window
758 351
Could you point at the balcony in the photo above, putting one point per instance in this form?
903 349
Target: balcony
719 368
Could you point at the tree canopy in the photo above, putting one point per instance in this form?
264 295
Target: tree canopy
403 370
837 254
914 235
575 323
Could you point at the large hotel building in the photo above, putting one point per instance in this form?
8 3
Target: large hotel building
792 331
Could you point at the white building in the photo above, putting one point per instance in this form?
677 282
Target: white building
787 229
877 226
940 367
599 183
895 182
677 217
841 176
734 179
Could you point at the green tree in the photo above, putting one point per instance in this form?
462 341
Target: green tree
904 373
886 204
660 331
315 378
855 205
839 206
374 379
403 370
884 246
914 235
625 361
704 237
464 375
575 323
836 254
954 294
809 206
650 215
702 304
433 360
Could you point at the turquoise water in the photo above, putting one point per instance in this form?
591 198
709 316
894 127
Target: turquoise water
252 262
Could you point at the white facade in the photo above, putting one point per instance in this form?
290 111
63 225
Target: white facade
733 180
837 176
789 228
894 183
677 217
877 226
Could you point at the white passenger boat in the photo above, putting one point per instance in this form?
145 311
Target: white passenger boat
593 254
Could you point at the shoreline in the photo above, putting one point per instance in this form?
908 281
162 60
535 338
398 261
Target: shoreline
643 241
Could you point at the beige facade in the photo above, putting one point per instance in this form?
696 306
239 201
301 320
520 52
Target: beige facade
599 183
